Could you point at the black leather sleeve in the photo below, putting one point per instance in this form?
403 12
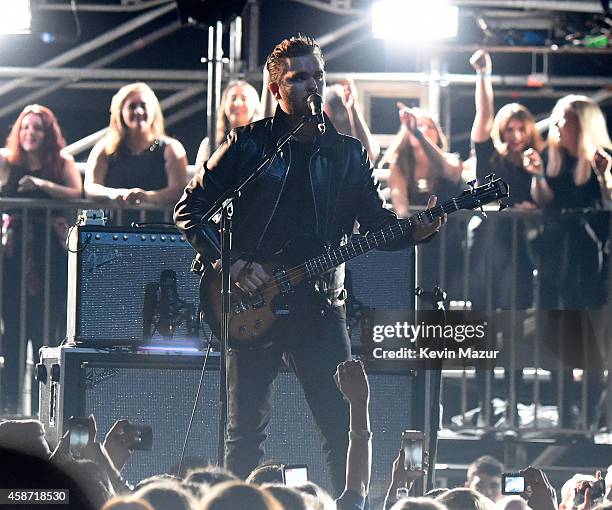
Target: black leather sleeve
373 214
215 177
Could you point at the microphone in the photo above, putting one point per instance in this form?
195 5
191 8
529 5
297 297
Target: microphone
315 104
168 303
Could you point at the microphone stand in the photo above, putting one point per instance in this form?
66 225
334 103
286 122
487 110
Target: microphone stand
225 206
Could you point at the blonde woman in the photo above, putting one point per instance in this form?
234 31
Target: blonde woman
136 162
577 171
574 174
239 106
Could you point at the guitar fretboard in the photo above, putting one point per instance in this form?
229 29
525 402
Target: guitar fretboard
396 230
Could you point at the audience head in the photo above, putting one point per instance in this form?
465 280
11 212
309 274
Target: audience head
334 108
134 109
31 472
239 106
511 503
126 503
484 476
27 436
290 497
326 502
434 493
36 131
578 126
429 126
210 475
270 472
465 499
568 490
156 478
514 130
166 494
424 503
400 151
232 495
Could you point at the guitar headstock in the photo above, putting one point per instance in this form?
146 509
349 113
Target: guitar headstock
490 190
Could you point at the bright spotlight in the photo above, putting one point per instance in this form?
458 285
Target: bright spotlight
414 20
17 19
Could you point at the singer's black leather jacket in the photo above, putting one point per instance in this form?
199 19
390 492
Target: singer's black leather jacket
342 186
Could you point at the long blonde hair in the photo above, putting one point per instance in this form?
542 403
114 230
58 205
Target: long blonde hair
117 131
223 126
592 135
510 112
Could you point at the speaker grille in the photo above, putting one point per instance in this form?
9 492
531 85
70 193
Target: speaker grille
114 269
378 282
163 398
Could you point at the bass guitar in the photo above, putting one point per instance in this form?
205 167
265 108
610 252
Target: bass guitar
253 317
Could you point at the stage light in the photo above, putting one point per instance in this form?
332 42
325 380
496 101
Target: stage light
17 19
414 20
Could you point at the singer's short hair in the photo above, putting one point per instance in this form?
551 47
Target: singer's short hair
297 46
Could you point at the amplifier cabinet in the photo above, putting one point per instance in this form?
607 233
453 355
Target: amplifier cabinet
378 283
158 389
115 279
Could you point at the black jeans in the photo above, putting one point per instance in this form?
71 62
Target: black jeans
316 344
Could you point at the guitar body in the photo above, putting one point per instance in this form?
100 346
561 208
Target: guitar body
254 319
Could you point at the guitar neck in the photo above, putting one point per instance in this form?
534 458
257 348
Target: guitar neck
373 240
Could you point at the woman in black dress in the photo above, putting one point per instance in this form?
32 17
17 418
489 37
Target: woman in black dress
136 163
33 166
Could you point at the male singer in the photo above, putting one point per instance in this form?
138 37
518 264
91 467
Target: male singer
321 183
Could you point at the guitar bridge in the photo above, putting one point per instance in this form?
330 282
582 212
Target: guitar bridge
257 302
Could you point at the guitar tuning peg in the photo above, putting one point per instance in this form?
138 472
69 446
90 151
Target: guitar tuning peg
502 206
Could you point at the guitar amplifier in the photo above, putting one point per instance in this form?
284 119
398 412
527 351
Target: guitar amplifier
378 284
131 285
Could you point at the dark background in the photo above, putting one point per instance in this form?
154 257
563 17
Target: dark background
82 112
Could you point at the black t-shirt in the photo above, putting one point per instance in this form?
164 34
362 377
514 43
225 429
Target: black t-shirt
568 195
295 212
488 161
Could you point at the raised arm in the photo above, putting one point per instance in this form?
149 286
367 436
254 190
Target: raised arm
445 164
483 120
353 383
541 192
359 128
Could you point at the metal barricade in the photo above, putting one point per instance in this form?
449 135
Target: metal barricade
31 261
543 320
476 275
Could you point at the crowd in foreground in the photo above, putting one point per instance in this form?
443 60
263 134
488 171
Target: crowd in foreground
94 481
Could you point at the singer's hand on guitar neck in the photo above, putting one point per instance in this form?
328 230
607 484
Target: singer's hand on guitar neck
423 231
